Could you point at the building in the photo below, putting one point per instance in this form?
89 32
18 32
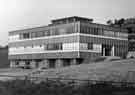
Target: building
64 42
130 26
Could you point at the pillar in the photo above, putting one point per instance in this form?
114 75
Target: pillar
59 63
33 64
12 64
112 51
103 51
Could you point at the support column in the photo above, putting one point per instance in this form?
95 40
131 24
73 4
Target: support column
59 63
73 61
33 64
22 63
112 51
103 51
12 64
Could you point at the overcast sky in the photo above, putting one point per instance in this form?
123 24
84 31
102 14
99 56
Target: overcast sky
20 14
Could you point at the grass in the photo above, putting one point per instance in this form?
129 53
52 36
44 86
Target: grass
122 70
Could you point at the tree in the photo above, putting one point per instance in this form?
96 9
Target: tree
109 22
117 22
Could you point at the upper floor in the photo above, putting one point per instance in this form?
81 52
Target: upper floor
68 26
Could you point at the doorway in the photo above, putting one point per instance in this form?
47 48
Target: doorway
106 50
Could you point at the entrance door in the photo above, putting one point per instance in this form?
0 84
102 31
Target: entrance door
106 50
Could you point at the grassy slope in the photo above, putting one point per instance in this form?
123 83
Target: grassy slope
118 70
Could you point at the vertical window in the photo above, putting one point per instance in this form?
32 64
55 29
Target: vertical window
52 32
26 35
21 36
47 33
33 35
40 34
45 46
17 63
87 30
90 30
62 31
90 46
54 46
100 31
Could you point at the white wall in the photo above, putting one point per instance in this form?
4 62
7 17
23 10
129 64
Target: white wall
97 47
67 47
13 38
71 46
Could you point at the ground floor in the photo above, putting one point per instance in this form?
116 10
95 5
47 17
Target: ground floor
61 59
46 63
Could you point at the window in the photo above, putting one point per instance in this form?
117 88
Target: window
100 30
27 63
55 46
61 31
95 31
17 63
92 30
50 47
45 46
47 33
40 34
25 35
33 34
20 36
52 32
90 46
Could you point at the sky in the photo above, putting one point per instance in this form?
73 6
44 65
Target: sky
21 14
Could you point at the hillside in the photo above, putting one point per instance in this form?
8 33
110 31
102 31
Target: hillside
4 63
122 70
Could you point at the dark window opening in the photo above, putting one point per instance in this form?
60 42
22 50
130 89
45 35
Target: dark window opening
25 35
27 63
79 61
52 63
17 63
66 62
90 46
54 46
